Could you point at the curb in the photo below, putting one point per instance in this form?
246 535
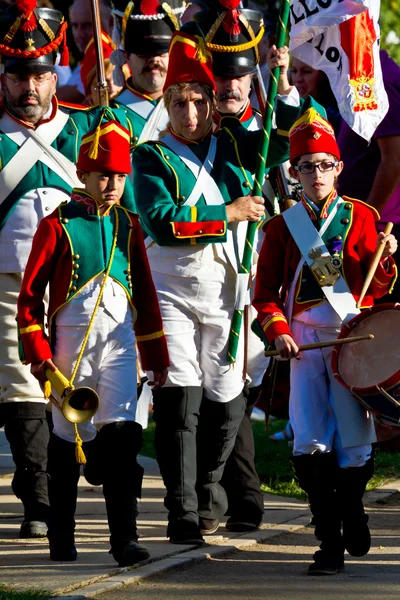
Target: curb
134 575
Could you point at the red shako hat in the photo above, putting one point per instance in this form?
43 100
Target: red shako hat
88 63
189 59
105 149
312 133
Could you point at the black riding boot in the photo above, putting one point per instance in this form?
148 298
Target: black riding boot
316 474
240 479
351 484
218 426
118 444
63 490
176 414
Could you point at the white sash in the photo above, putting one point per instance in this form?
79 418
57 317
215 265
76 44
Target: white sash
157 121
34 145
306 237
140 106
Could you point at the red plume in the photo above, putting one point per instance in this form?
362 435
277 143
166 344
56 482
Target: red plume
149 7
26 8
230 4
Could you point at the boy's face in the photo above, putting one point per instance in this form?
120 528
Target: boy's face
105 188
319 184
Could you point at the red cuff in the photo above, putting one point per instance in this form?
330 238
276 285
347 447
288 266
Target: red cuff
199 229
36 347
274 325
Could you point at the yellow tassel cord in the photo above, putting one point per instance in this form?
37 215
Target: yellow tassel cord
240 47
201 52
94 146
47 389
79 453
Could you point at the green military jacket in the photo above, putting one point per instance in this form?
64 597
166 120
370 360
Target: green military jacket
80 121
162 182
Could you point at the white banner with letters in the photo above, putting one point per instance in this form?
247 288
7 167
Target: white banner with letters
341 38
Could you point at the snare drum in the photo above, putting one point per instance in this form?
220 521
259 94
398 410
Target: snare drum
371 370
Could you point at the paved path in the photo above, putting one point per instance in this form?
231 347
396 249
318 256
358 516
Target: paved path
25 563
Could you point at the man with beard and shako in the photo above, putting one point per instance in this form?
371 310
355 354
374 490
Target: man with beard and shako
145 30
233 36
40 142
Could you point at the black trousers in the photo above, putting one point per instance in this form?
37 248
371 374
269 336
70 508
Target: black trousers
194 437
27 432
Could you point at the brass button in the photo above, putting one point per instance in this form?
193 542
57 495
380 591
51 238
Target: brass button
338 238
220 231
44 192
199 232
246 184
73 288
76 257
130 285
182 198
178 233
129 277
75 266
65 221
347 206
47 208
166 157
127 271
130 225
75 276
135 139
345 221
299 298
71 132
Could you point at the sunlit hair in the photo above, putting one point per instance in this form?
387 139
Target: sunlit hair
183 87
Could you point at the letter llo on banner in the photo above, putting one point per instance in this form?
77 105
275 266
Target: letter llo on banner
341 38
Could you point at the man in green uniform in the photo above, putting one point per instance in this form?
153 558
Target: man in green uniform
40 142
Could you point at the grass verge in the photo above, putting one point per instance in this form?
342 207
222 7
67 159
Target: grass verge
274 466
7 593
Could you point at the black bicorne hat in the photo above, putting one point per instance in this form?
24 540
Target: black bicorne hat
233 36
30 37
146 26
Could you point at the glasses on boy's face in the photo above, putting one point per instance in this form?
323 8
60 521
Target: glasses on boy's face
308 168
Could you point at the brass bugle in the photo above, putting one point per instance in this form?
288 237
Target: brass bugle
337 342
78 404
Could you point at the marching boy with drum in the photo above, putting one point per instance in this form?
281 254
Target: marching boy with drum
310 274
91 253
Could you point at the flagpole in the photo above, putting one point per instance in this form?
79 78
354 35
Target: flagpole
245 265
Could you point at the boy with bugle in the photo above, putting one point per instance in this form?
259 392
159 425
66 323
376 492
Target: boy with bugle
102 298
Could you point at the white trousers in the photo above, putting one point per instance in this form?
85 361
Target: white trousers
108 366
16 382
196 299
312 407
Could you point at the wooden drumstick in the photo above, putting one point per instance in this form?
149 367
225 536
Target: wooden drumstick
374 265
326 344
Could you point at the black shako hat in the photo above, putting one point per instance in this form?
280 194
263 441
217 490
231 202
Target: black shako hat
232 35
145 26
30 38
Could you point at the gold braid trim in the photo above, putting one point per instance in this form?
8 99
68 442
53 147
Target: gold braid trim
241 47
168 10
213 30
125 18
8 38
251 33
46 29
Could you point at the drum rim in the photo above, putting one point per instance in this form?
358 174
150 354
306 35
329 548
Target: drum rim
387 383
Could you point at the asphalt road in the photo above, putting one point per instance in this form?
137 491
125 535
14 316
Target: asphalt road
277 570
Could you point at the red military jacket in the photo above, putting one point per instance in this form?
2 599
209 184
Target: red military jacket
355 229
54 260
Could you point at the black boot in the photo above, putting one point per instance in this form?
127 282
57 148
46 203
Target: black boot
240 479
350 489
176 414
218 426
316 474
63 490
119 445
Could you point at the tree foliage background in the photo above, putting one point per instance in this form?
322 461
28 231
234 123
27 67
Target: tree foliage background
390 27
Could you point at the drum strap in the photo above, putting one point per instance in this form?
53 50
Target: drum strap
306 237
